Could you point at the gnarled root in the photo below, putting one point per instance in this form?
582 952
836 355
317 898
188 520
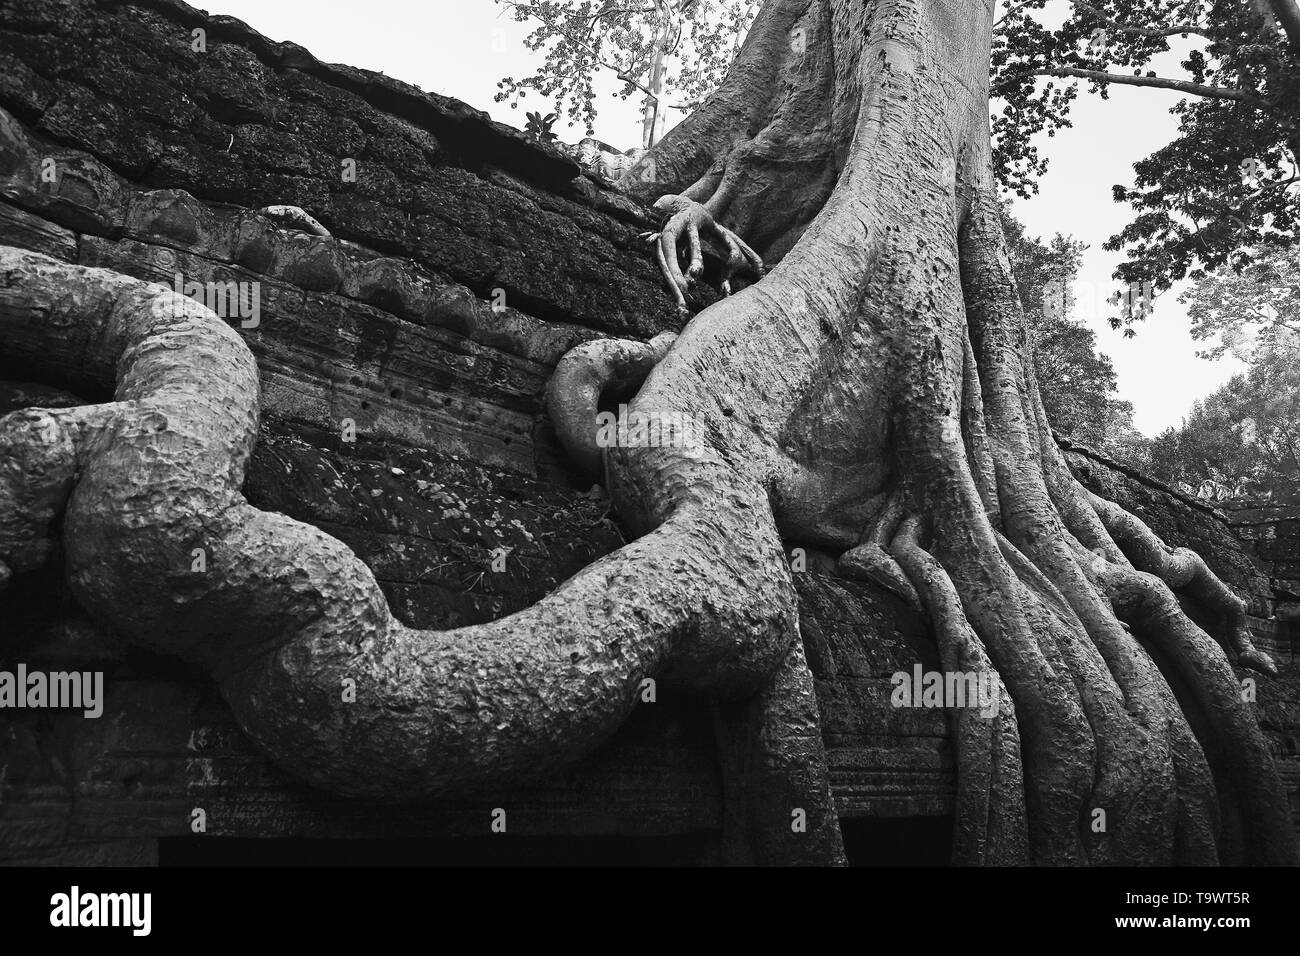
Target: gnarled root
869 561
1182 568
1235 736
37 468
686 219
1128 705
282 614
587 373
990 825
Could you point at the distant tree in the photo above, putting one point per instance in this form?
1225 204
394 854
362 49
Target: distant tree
659 48
1255 306
1123 441
1227 182
1244 438
1077 381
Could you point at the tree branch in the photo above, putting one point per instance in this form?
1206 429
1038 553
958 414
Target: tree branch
1183 86
557 30
1011 8
608 11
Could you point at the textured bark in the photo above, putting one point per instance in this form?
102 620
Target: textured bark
283 613
870 397
902 426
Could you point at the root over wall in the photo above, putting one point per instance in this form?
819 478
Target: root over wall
392 325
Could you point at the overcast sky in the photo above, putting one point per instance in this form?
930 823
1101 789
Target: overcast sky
461 48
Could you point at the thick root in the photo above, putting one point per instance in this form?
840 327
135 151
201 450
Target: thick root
295 217
688 220
38 464
869 561
1183 569
991 824
1155 808
1146 602
774 773
587 373
283 615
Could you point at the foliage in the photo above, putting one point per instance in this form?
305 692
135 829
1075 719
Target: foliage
539 126
1244 438
1077 382
582 38
1227 184
1257 306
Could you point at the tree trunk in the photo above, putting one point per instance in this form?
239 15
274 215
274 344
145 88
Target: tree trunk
903 424
652 117
871 396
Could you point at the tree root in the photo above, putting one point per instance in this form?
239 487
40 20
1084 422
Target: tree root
686 219
282 614
293 217
37 468
869 561
1184 569
990 825
583 376
1038 499
1145 601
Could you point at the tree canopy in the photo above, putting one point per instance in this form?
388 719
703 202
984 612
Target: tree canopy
1226 184
1240 310
1242 440
673 52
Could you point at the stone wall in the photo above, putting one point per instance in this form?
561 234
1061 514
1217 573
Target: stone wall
1270 531
465 260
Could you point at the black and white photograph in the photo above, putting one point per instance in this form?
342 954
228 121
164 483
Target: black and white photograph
681 434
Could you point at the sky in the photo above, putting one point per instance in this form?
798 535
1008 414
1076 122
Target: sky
462 48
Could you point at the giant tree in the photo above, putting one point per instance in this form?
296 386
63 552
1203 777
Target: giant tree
871 398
